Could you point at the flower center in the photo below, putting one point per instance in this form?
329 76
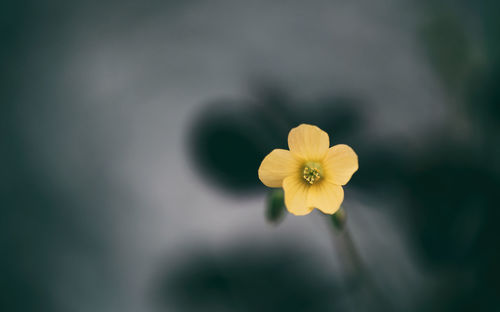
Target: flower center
312 172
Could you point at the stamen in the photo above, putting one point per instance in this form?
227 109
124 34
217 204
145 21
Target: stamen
311 173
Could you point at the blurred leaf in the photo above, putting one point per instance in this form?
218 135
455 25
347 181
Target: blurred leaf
247 279
448 47
230 137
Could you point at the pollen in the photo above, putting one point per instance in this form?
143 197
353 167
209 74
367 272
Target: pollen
311 174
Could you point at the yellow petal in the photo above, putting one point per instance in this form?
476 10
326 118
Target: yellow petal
326 196
296 195
276 166
308 142
340 164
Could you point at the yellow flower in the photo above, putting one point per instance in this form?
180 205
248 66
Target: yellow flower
311 174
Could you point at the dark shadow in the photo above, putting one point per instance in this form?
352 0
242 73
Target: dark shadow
229 138
247 279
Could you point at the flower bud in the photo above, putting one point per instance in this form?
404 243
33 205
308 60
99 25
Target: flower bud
275 206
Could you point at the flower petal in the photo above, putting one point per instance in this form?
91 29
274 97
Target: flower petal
276 166
308 142
326 196
296 195
340 164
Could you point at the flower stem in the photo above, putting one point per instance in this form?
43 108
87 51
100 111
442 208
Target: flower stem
358 276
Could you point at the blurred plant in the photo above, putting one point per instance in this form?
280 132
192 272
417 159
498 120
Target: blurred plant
453 190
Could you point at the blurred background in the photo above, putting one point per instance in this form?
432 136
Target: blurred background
131 134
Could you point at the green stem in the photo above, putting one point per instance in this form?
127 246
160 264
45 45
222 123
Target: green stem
358 274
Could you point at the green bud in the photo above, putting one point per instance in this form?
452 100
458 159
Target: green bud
275 206
339 219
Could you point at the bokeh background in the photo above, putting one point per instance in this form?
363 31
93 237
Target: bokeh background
131 134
